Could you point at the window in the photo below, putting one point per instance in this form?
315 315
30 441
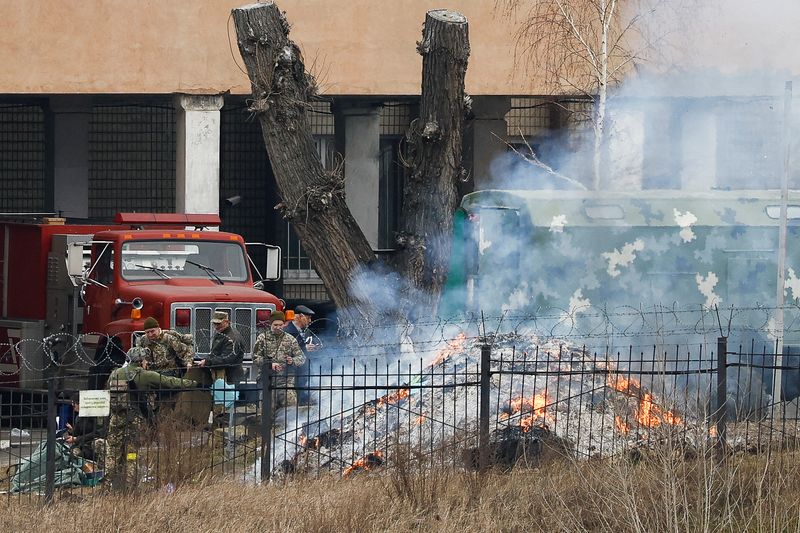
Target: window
165 259
104 263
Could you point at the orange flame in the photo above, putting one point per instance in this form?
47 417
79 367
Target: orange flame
393 398
305 442
648 412
712 432
623 384
368 462
420 419
621 425
536 404
452 348
651 415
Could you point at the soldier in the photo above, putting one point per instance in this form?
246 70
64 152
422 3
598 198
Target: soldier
227 350
129 385
282 350
170 352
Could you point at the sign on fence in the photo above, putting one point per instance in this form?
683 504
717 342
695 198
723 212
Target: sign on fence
95 403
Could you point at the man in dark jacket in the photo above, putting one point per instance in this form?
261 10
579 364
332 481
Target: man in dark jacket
227 351
297 329
82 434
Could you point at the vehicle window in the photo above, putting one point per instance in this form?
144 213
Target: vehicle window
165 259
104 267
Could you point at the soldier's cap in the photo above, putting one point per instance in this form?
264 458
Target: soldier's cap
303 310
150 323
276 315
136 354
219 316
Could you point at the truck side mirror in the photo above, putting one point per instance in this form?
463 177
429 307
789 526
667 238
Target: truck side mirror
272 272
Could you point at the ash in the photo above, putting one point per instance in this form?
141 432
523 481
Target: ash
583 400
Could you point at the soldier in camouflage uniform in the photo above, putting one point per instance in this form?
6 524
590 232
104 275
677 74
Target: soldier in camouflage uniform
170 351
282 350
128 385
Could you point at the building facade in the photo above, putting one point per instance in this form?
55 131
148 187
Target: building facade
112 105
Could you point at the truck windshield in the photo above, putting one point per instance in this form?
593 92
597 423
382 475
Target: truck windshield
165 259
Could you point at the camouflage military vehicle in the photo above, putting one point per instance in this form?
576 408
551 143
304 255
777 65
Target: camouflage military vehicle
587 256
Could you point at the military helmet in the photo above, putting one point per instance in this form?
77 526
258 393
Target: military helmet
136 354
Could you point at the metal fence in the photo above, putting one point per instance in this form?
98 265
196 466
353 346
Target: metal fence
474 401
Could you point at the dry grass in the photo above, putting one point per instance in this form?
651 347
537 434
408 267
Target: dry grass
655 493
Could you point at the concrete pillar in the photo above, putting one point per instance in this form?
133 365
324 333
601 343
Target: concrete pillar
698 154
70 151
661 151
484 137
358 129
625 129
198 131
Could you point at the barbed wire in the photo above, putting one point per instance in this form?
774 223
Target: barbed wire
586 327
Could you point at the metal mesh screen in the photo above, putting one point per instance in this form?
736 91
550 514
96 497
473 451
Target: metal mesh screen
202 340
320 118
22 159
245 172
528 117
395 117
305 291
132 158
241 322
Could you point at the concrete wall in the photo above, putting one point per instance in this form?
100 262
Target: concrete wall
360 47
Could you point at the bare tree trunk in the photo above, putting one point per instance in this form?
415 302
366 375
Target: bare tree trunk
435 138
313 199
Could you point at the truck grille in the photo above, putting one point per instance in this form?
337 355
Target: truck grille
243 319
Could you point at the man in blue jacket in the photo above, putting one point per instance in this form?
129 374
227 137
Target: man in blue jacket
297 329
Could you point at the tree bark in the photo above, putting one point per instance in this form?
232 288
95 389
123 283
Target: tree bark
435 140
312 199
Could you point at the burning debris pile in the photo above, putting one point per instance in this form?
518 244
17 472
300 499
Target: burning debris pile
543 395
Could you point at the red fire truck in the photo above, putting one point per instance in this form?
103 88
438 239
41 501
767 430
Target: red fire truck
72 292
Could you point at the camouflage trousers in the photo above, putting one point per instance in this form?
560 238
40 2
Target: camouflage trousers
283 397
118 452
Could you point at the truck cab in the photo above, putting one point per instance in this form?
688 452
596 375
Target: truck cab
91 287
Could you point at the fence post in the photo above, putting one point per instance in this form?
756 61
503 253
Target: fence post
266 419
50 464
483 424
721 413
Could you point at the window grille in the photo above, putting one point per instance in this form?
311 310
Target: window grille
132 158
245 172
22 158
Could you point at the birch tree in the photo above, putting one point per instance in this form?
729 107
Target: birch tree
584 47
